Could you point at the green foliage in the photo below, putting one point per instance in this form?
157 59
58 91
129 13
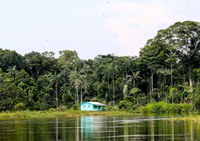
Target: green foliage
125 105
75 106
111 108
168 69
196 98
10 59
162 107
51 110
125 90
172 92
37 106
67 57
61 108
68 99
19 107
134 91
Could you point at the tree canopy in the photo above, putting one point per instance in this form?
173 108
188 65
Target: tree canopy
167 69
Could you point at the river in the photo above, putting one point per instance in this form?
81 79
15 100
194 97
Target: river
100 128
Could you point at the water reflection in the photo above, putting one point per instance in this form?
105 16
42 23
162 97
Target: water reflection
91 125
100 128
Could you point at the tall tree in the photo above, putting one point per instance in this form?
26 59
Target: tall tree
54 80
133 77
10 59
184 38
153 57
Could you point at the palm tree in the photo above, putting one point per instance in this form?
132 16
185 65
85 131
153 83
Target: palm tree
77 84
171 60
194 51
108 72
114 74
126 64
132 78
83 86
54 80
75 63
12 71
164 73
125 90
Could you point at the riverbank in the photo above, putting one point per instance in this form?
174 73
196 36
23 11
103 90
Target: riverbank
20 115
53 114
195 118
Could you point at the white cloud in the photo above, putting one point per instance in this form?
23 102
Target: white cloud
91 27
136 22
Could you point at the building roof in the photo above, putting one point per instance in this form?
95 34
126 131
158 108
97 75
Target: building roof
95 103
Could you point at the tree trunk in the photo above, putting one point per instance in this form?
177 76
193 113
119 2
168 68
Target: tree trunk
126 75
77 96
151 84
190 81
191 84
108 87
134 82
56 92
113 89
163 88
81 95
171 74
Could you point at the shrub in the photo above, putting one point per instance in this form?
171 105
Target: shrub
146 109
111 108
163 107
115 108
125 105
37 106
61 108
20 106
52 110
75 107
160 107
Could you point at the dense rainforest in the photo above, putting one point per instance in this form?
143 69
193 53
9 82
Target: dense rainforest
167 69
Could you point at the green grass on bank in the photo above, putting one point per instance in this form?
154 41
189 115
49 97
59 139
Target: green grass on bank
53 114
151 108
21 115
166 108
195 118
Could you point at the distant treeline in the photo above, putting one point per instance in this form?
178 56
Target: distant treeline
167 69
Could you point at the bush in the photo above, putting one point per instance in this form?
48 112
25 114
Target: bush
111 108
20 107
75 107
160 107
52 110
125 105
163 107
37 106
115 108
61 108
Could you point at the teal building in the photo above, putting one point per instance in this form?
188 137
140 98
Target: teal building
92 106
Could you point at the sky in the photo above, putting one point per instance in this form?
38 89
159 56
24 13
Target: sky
90 27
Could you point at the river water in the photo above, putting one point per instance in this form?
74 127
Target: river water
100 128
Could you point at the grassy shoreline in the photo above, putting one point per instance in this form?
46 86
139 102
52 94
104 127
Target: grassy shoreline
21 115
195 118
52 114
